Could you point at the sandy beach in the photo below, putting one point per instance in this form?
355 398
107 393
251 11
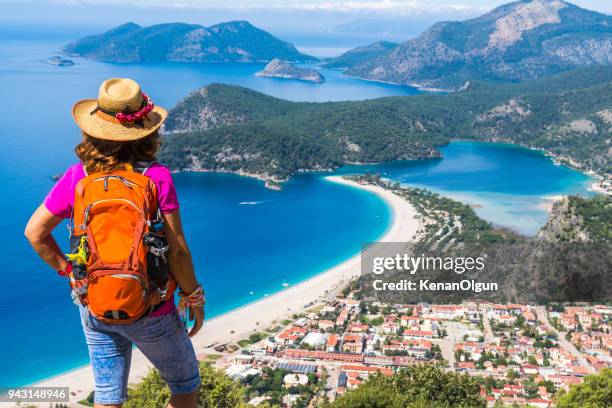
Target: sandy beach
239 323
602 187
548 202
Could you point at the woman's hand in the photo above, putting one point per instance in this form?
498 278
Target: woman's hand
196 313
181 266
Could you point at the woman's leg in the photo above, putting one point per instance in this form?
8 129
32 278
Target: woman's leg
110 355
184 400
163 340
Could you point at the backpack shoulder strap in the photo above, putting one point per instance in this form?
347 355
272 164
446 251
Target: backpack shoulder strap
141 167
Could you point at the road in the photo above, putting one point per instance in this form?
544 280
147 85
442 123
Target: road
567 346
488 332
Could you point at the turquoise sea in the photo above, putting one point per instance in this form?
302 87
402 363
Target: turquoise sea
506 184
244 237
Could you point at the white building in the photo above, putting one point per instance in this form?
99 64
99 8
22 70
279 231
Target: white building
315 339
293 380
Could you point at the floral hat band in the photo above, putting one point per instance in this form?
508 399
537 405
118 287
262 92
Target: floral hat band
146 107
122 112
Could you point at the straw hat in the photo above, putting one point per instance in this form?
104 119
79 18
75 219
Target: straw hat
122 112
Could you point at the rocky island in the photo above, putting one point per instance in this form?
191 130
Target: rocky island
60 61
282 69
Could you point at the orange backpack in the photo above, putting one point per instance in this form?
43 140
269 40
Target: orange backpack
113 216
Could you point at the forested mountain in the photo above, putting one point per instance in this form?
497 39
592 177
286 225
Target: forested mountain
225 42
229 128
518 41
359 55
576 219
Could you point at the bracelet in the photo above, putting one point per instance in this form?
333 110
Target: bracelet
195 298
66 271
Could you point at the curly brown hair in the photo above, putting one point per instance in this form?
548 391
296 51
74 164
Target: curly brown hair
105 156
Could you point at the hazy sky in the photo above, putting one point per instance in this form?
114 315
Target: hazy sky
384 18
391 7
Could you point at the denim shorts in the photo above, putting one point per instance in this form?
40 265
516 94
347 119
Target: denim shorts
162 339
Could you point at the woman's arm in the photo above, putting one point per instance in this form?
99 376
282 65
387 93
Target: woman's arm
181 264
38 232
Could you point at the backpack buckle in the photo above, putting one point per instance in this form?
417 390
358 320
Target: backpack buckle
159 252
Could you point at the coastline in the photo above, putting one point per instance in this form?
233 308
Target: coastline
602 183
602 187
549 201
414 85
239 323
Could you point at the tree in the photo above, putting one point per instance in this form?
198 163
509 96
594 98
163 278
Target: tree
417 386
550 387
512 374
216 391
594 392
152 391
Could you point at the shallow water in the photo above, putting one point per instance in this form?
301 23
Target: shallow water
507 185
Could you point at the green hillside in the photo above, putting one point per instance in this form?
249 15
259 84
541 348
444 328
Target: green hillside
229 128
358 55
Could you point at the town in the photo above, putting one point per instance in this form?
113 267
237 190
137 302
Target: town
522 354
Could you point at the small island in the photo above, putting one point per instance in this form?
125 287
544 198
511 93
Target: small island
60 61
282 69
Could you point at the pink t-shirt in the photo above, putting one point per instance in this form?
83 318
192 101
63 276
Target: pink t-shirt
60 201
61 197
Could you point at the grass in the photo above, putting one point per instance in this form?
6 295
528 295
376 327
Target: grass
253 338
213 357
88 401
314 309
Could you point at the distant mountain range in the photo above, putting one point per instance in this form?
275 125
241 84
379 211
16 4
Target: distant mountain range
229 128
518 41
235 41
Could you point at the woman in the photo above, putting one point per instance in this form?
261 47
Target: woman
120 130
